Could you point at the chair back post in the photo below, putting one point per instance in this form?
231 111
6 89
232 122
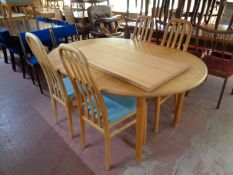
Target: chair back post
55 83
88 95
144 29
175 32
23 43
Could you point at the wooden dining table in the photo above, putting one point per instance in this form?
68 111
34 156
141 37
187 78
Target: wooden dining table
116 51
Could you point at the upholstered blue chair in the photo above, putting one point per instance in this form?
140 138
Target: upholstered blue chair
64 34
46 39
13 45
109 114
3 46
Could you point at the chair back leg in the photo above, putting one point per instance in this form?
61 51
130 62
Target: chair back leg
222 91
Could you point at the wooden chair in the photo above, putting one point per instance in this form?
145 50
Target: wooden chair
60 89
69 16
144 29
104 113
216 53
177 34
58 14
175 37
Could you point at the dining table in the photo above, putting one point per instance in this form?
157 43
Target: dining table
124 66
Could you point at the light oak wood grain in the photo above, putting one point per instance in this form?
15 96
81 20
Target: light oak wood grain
140 69
190 79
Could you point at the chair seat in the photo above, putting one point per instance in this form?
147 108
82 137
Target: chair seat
221 65
33 60
69 88
119 106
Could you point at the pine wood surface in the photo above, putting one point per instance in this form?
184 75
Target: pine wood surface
190 79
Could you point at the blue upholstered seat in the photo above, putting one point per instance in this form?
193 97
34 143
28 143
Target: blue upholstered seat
119 106
33 60
69 88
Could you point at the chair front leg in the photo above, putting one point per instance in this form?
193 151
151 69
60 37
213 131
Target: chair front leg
69 119
5 55
82 128
54 106
31 74
13 61
38 79
107 150
222 91
23 65
232 91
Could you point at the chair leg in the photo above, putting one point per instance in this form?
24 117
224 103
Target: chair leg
31 74
38 79
232 91
69 120
23 65
157 113
107 151
82 129
54 106
13 61
5 55
222 91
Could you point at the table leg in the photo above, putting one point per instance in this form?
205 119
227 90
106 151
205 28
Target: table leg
179 105
157 113
141 106
145 124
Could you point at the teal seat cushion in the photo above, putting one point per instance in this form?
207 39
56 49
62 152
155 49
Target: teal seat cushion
69 88
118 106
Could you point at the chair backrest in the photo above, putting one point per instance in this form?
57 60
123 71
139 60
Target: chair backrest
144 28
44 36
61 23
54 81
90 101
177 34
58 14
64 33
214 42
69 16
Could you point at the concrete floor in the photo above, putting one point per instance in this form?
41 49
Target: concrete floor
30 142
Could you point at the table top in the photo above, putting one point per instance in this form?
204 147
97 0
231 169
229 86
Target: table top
140 69
190 79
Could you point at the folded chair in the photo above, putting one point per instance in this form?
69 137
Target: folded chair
108 114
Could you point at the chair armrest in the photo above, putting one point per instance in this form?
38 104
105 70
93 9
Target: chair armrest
108 20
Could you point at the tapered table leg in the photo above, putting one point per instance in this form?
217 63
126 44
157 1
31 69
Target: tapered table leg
179 106
140 126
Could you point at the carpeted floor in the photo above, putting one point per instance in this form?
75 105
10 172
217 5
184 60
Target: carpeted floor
30 142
